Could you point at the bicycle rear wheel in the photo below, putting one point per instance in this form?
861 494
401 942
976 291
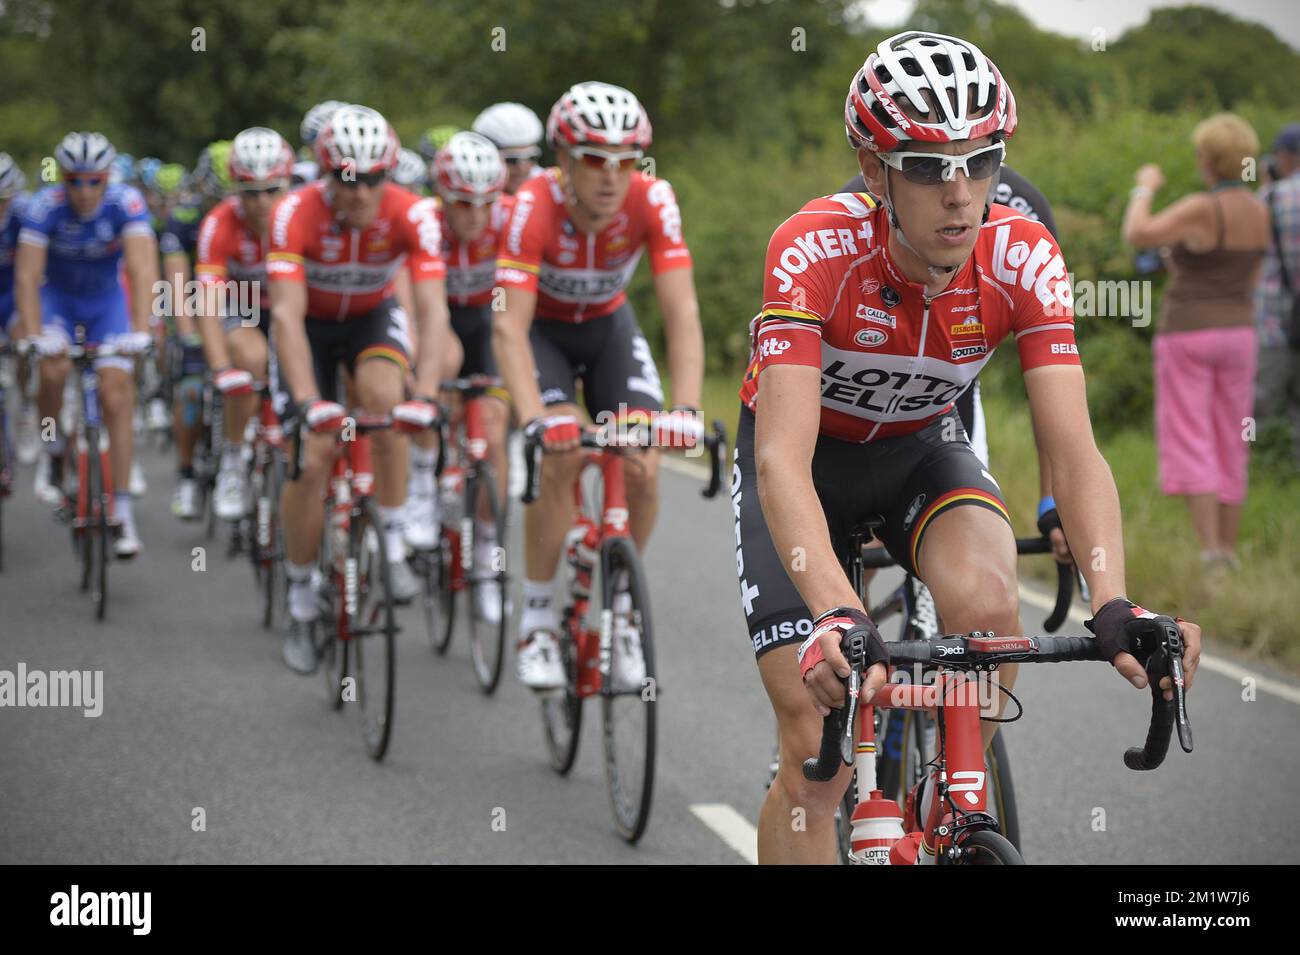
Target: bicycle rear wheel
486 584
438 600
374 629
562 709
629 710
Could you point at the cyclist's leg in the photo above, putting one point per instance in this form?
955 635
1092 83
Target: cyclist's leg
548 519
622 379
248 350
473 328
797 821
53 371
959 541
378 356
104 317
301 512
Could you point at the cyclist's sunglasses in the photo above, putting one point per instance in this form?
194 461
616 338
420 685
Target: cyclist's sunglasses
270 189
930 169
459 202
354 179
599 159
91 181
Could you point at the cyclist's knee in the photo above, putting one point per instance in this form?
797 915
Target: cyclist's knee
560 470
379 384
115 392
642 478
317 459
978 598
798 743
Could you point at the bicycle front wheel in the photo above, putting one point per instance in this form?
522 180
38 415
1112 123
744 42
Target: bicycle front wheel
987 847
629 691
1001 791
487 579
374 629
268 542
97 530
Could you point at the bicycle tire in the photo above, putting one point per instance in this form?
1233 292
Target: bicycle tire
487 640
438 600
275 585
987 847
562 711
95 527
82 535
1002 795
333 653
374 633
630 797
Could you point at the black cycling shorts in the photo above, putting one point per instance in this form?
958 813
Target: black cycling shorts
609 355
473 326
905 481
383 332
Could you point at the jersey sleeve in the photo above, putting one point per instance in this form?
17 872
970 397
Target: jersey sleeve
287 244
36 220
214 247
796 302
664 228
524 243
1042 316
423 237
133 213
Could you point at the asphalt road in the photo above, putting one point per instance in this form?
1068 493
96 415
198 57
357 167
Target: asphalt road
199 714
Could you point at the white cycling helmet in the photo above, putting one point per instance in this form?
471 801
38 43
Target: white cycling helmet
598 114
411 171
512 127
12 180
359 138
85 152
305 171
259 154
315 119
469 168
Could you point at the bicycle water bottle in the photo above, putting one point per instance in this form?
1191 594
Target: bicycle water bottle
581 556
339 516
877 825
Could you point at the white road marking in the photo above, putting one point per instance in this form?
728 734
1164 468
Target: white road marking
1233 671
733 828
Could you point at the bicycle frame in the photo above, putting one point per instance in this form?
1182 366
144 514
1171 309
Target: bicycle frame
89 421
267 440
456 474
594 647
350 482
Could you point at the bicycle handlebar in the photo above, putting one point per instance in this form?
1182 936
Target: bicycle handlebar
879 557
715 444
979 651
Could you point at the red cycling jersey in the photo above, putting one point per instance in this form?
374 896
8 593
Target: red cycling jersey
472 266
892 359
227 248
579 276
348 272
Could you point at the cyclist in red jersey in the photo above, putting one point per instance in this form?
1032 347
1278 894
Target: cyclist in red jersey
235 317
572 244
874 319
469 178
336 246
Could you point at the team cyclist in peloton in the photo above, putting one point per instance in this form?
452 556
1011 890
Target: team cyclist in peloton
335 248
179 244
516 132
13 197
469 178
571 246
74 238
232 249
862 343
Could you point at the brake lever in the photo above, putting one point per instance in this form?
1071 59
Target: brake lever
855 653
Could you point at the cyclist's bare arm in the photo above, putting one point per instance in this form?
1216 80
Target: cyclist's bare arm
514 355
29 269
289 313
675 290
1060 549
433 331
176 270
140 253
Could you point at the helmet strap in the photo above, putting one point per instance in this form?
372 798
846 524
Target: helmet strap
935 270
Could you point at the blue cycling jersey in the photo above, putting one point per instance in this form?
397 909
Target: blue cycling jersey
84 255
9 226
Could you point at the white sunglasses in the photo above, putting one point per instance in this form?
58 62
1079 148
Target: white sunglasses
930 169
598 158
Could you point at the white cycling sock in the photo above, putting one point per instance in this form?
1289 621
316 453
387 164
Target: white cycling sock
485 544
538 613
302 596
122 508
232 456
394 521
422 466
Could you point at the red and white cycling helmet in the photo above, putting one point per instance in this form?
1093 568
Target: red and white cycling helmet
359 139
598 114
955 89
469 168
259 154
